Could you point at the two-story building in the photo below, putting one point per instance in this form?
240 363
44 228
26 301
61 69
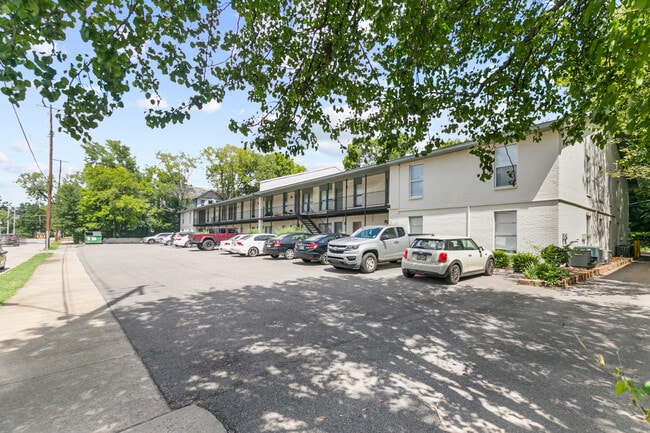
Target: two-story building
541 193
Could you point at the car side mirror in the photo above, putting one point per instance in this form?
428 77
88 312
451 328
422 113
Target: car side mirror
383 237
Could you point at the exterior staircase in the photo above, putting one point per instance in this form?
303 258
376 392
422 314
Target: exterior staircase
309 224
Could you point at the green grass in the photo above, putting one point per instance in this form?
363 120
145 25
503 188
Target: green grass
14 279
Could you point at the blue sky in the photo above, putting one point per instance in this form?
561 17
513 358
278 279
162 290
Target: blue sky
208 127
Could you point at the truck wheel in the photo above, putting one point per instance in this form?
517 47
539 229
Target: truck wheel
288 254
453 277
324 260
489 267
407 273
208 244
187 244
253 251
368 263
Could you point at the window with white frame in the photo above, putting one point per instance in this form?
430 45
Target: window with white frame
416 178
505 166
415 224
505 231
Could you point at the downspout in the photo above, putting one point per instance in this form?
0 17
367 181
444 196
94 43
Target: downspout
365 199
260 222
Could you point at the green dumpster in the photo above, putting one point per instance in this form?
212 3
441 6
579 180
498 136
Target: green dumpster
93 237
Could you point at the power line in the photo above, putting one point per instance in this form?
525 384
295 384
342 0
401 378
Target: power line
26 140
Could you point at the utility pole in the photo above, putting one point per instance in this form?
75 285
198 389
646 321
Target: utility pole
48 213
60 163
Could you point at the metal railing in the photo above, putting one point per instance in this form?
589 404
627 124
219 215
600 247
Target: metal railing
311 207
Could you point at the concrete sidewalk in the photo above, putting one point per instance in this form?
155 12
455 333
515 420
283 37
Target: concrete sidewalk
66 365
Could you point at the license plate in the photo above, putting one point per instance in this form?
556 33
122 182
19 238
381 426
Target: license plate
421 257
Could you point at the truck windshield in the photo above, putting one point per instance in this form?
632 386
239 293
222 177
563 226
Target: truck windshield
369 233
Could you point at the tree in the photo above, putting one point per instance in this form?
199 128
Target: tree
170 185
235 171
113 198
489 70
66 215
112 154
30 219
34 184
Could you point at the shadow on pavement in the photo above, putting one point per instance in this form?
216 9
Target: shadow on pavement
397 356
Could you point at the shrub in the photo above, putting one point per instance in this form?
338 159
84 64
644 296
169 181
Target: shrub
556 256
531 270
521 260
551 274
501 259
289 229
546 272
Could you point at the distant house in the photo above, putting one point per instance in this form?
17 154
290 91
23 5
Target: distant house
541 193
197 198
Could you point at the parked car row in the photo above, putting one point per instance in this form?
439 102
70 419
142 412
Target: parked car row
448 257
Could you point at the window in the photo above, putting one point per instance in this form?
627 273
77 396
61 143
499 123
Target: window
338 227
358 192
390 233
505 231
505 166
468 244
285 198
356 225
324 196
416 177
268 206
415 224
306 201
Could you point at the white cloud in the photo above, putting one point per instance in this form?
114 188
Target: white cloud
211 106
44 48
3 158
155 102
21 146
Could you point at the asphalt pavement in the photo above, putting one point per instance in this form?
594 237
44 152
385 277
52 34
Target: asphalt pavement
66 365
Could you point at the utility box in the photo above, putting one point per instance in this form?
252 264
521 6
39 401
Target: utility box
624 251
585 257
93 237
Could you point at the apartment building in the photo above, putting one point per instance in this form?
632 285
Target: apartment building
541 193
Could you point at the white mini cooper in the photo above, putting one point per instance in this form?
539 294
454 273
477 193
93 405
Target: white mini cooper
448 257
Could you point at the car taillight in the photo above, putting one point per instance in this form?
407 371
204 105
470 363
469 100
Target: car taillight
276 243
442 257
406 254
240 244
312 245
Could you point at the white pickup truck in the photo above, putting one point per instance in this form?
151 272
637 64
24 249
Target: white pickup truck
367 247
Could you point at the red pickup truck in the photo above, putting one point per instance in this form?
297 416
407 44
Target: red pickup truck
214 236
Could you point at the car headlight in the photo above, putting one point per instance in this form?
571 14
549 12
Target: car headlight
352 247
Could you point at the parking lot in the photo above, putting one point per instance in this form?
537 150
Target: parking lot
276 345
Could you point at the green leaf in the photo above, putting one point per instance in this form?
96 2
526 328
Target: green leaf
621 386
646 387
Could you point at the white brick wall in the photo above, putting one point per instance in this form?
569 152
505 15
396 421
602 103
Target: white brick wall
557 188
